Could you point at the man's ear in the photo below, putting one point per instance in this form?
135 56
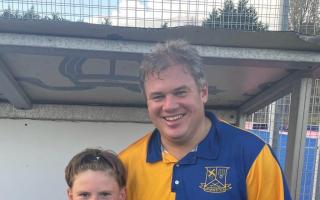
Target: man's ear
204 93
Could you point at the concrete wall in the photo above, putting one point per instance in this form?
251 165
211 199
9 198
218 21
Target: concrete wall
34 153
36 144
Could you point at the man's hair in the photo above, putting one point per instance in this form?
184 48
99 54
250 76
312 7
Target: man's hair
176 52
96 160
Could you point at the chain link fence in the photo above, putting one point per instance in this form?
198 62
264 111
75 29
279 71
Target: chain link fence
249 15
271 124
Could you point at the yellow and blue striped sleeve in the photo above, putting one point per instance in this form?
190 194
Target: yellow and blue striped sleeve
265 179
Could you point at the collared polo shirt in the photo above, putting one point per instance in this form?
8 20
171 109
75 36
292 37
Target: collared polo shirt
229 163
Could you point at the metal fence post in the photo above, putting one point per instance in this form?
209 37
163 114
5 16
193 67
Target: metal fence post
299 109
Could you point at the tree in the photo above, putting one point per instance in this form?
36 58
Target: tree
56 17
8 13
241 17
29 14
107 21
164 25
304 16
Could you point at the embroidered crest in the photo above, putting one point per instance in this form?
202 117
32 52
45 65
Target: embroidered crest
216 180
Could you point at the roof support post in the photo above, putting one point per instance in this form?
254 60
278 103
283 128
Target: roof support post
11 89
241 120
299 110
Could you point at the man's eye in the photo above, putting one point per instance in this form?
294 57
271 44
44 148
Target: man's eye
181 93
157 98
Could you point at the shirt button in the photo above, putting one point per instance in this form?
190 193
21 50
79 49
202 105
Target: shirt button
177 165
176 182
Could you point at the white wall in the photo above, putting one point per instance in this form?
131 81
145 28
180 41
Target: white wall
34 153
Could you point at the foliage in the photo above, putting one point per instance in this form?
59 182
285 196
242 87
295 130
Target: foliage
32 14
304 16
56 17
242 17
29 14
107 21
164 25
8 13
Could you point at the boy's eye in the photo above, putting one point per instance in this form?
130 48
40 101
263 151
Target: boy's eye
105 194
84 194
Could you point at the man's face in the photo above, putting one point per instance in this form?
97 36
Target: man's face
175 103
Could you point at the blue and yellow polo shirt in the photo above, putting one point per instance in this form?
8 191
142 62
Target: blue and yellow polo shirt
228 164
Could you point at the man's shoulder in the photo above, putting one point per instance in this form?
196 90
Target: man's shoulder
233 134
238 135
135 148
245 145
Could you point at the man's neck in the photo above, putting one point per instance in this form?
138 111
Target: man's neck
181 149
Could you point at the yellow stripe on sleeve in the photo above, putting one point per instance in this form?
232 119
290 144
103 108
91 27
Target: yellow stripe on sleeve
264 180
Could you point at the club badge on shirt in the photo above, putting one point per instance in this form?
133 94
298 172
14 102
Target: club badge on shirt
216 180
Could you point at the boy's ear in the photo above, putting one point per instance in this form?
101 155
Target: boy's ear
123 194
69 192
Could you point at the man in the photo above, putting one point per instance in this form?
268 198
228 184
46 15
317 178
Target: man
192 155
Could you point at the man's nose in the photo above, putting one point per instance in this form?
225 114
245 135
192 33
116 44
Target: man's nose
170 103
95 197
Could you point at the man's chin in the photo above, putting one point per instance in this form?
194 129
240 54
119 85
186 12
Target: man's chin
175 137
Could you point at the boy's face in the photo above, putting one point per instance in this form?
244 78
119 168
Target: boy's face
95 185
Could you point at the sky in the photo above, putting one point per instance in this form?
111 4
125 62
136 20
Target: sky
148 13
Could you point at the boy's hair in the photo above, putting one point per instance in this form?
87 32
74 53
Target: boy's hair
96 160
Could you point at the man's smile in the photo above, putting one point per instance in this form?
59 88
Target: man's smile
174 117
